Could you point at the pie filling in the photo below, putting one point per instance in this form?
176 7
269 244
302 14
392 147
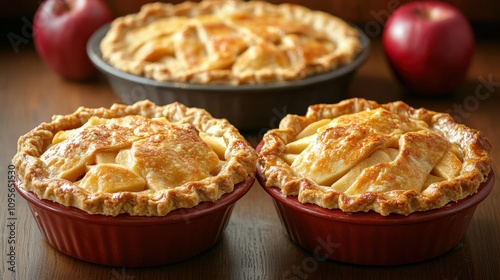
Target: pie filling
133 153
228 42
358 155
372 151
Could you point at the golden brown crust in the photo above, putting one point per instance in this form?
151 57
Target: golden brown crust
32 166
435 142
228 42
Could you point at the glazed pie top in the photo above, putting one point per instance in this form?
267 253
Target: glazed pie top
358 155
140 159
228 42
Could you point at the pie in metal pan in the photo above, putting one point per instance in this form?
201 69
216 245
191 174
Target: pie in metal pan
228 42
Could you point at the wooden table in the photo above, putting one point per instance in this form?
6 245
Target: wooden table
254 245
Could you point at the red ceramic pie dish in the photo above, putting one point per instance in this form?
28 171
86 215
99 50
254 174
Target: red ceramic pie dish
368 238
134 241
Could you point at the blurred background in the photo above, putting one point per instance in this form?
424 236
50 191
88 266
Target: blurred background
484 15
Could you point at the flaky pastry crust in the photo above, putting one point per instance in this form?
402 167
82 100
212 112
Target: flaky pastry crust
228 42
429 138
41 173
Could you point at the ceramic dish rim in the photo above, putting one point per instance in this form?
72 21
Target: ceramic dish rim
175 216
375 219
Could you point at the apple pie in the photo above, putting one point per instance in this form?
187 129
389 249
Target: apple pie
359 155
228 42
142 159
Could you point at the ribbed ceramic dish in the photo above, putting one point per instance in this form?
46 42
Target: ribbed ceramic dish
248 107
368 238
132 241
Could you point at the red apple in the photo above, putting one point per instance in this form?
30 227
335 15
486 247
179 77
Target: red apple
429 46
61 29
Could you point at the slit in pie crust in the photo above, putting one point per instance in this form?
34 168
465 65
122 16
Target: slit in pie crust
141 159
228 42
359 155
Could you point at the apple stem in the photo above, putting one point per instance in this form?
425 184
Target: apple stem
422 13
62 7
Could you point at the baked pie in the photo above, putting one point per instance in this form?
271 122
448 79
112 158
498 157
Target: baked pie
141 159
228 42
359 155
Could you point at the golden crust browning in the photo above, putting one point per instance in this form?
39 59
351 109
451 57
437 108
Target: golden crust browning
228 42
41 166
408 160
